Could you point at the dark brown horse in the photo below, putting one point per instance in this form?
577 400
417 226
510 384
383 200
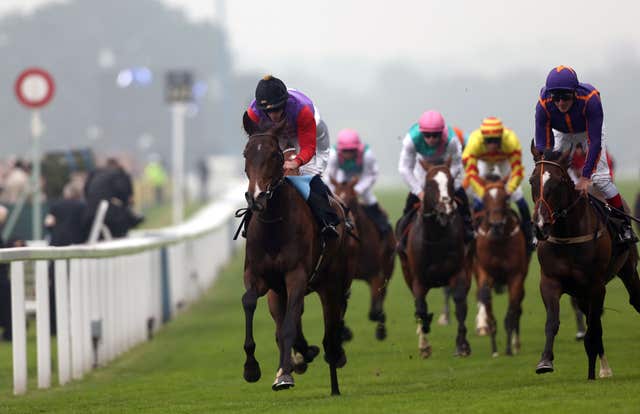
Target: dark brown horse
500 259
286 257
374 257
435 255
577 256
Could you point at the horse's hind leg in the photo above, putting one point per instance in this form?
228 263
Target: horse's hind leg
376 313
512 320
333 351
443 319
486 321
303 353
579 320
460 291
550 290
593 339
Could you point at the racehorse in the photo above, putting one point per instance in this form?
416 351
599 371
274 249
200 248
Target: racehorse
374 258
500 259
435 254
577 256
286 257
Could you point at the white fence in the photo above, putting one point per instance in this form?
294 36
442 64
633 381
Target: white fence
113 295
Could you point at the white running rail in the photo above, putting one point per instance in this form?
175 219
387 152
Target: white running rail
110 296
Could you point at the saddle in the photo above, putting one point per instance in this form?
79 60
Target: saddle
403 226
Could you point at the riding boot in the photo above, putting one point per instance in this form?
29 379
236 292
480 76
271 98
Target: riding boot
403 222
525 224
627 234
463 208
321 208
378 217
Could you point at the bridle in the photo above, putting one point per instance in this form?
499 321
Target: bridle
555 214
437 212
272 187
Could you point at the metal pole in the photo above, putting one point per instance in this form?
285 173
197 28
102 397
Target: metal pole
37 128
178 110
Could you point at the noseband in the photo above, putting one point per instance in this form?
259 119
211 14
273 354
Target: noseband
555 214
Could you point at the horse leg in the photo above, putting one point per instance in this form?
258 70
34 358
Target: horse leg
303 353
277 306
593 339
346 333
376 313
443 319
296 283
251 365
462 283
629 276
550 290
579 320
512 320
423 317
485 320
333 351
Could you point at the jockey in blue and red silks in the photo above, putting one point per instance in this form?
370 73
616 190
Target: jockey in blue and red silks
305 133
569 112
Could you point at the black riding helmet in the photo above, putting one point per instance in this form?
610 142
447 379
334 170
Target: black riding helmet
271 94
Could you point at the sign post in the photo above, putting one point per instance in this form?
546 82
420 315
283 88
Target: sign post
34 89
179 92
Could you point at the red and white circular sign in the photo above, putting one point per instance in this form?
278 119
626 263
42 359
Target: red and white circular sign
34 87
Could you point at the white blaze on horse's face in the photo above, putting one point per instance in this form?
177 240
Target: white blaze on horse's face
443 188
257 190
493 193
545 178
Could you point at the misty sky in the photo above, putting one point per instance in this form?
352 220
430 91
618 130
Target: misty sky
487 37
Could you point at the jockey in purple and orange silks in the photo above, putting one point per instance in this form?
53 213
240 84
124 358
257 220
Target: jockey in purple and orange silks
569 112
306 133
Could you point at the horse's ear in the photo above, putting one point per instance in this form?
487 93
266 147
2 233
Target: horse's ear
425 164
537 155
447 163
249 126
353 181
505 180
334 182
278 128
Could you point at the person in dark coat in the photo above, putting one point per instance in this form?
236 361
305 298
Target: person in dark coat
111 183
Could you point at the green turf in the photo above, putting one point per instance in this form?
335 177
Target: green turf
195 363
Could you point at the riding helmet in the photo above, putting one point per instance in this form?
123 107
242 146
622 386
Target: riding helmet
562 78
271 94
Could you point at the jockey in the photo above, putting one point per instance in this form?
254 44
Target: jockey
431 139
567 113
494 147
306 132
352 158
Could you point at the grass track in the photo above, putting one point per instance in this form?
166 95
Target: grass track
195 363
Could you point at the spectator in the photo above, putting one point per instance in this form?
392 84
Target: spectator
16 183
156 175
111 183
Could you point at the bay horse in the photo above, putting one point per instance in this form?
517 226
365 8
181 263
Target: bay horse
500 259
435 254
577 256
286 257
374 255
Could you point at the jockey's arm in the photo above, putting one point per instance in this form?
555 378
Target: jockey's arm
470 161
407 163
544 135
515 160
594 114
306 124
369 172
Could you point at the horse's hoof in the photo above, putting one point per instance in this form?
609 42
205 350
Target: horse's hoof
580 335
495 355
425 352
443 319
312 352
544 366
252 372
346 334
508 352
606 373
299 364
482 331
381 332
282 382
